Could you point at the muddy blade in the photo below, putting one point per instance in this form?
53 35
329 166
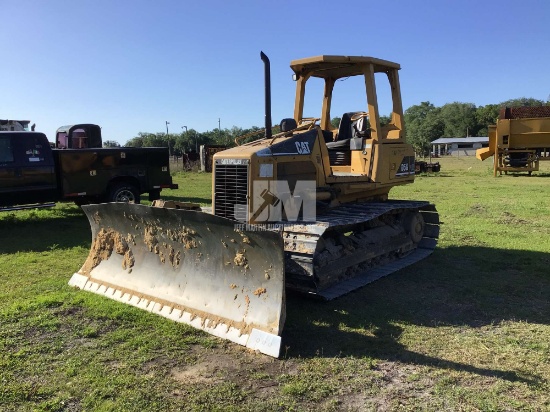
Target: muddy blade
191 267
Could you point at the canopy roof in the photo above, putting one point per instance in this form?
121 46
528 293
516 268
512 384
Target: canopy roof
336 67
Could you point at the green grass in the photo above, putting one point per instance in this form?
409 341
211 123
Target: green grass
466 329
193 187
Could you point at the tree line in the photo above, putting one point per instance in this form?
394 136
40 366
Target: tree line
424 123
189 141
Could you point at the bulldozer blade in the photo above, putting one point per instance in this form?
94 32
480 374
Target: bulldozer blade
191 267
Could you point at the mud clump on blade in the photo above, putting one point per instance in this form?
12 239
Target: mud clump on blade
106 242
128 261
96 218
260 291
240 259
188 241
173 256
121 246
150 239
183 236
101 250
247 302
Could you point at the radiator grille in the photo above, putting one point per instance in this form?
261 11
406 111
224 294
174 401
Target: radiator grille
231 189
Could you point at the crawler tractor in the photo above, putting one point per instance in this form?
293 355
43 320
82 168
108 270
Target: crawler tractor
305 209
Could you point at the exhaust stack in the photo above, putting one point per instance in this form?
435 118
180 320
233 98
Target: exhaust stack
267 80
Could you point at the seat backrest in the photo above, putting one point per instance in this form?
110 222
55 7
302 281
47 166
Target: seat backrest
360 128
345 127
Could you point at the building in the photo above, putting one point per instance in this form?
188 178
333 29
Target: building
458 146
14 125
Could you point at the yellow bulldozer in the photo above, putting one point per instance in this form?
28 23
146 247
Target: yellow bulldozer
306 209
519 140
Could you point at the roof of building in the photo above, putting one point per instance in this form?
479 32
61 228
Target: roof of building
450 140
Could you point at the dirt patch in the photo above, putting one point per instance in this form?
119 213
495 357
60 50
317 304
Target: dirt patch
508 218
476 210
74 330
234 364
71 405
400 382
198 373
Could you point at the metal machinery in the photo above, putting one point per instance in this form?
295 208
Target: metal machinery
306 208
519 140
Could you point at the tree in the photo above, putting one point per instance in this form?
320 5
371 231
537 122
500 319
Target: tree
460 119
522 102
486 116
426 131
184 142
423 125
419 111
148 140
111 143
384 120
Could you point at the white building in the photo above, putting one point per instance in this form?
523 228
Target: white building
14 125
458 146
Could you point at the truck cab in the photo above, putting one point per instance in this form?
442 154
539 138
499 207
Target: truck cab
27 168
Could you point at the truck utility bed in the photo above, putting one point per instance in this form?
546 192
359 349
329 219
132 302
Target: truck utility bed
31 172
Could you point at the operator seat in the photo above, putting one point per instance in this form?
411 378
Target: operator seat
348 130
344 133
339 152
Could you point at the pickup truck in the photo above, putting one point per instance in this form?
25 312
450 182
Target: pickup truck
32 172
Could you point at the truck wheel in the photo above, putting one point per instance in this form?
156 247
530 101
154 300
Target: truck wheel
124 192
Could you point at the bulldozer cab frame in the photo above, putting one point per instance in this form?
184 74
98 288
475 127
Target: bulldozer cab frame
332 68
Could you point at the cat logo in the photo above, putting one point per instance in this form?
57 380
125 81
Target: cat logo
303 147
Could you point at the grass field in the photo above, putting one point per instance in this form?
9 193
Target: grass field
467 329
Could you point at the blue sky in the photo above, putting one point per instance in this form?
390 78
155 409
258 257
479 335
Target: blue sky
129 66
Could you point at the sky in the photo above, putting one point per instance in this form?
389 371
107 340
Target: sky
132 66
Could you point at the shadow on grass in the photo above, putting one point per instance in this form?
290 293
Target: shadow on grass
525 174
458 286
41 231
200 200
